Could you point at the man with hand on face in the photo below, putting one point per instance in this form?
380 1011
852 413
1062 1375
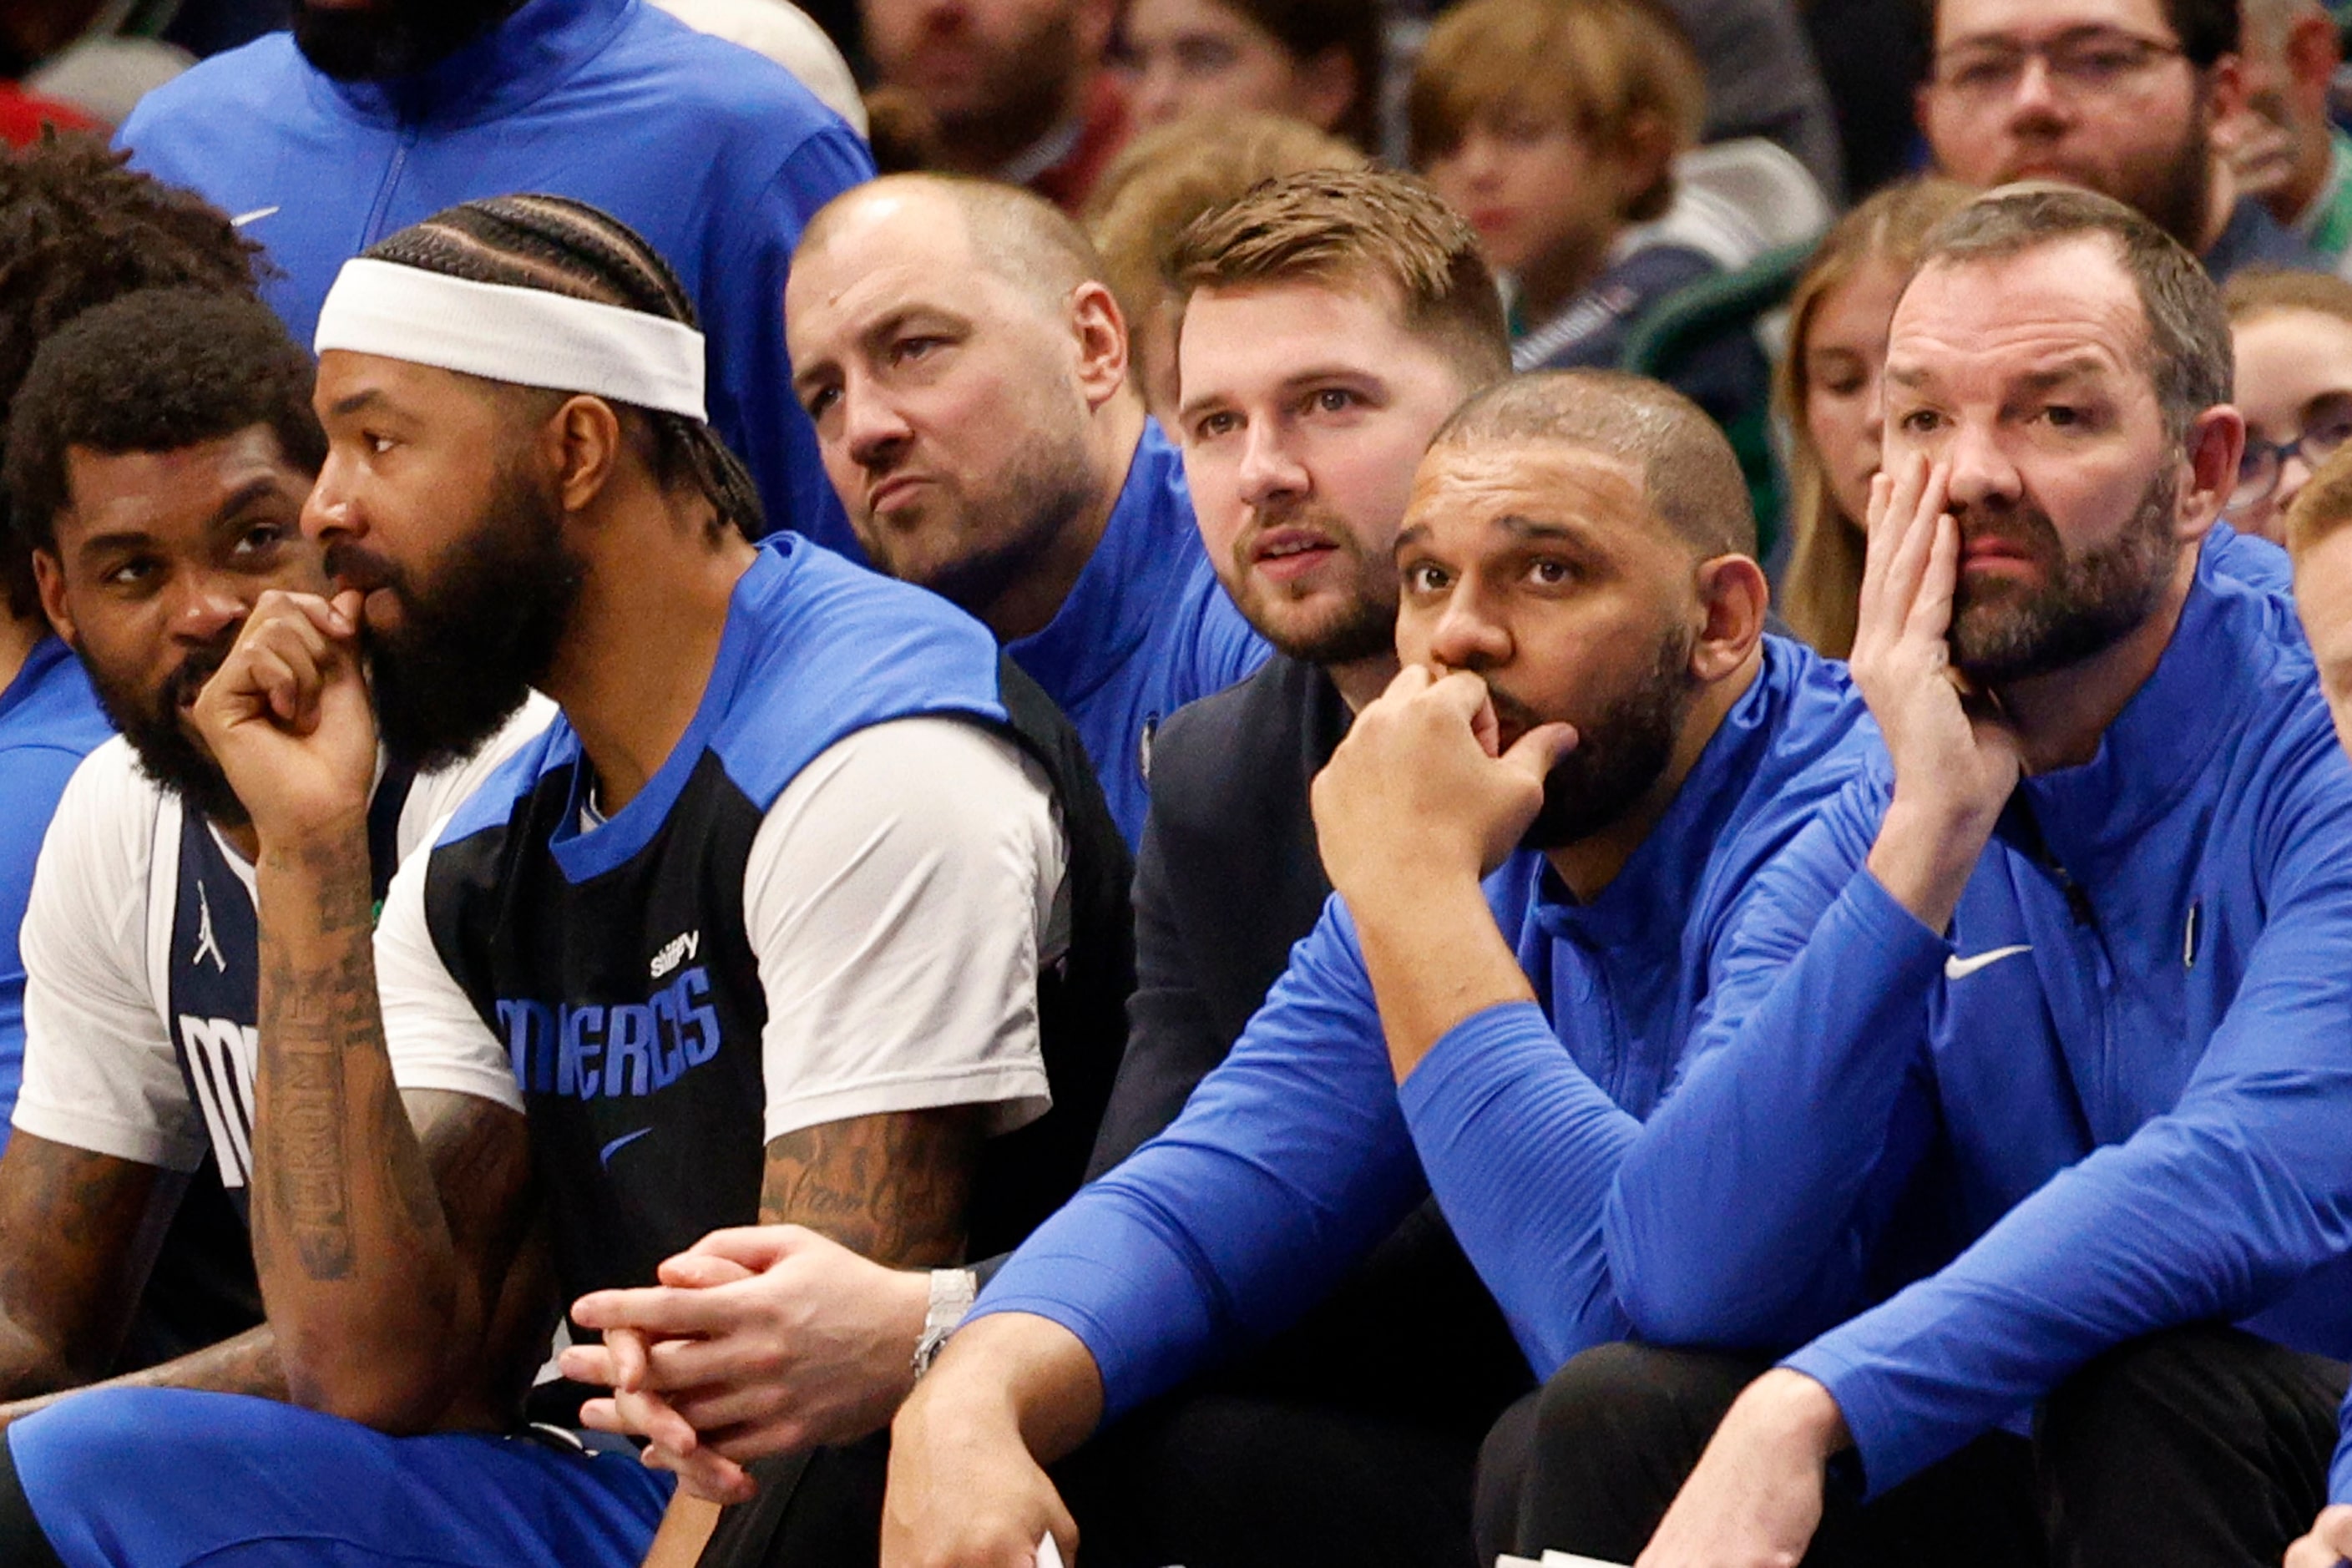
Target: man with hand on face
370 114
966 368
2117 96
2059 1029
767 925
1591 720
159 453
1330 324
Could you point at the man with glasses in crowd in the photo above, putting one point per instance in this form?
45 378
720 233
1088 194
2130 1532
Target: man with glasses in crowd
2120 96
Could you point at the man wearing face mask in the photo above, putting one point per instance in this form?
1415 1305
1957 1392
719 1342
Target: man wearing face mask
374 113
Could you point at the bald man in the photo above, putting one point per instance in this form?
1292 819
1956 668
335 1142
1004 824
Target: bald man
1540 835
966 368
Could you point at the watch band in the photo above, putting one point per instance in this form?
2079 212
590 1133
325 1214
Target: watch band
952 1290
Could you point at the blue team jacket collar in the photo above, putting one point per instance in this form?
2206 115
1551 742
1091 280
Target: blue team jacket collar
1123 586
520 59
2157 745
1661 877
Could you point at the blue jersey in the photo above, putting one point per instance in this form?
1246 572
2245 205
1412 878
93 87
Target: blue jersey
49 720
1301 1150
717 157
2120 1083
1145 629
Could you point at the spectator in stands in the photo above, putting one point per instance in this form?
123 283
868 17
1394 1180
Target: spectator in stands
158 457
2120 96
1166 177
2284 146
838 825
1553 126
2323 593
1331 322
2056 1029
1828 389
1589 711
967 371
1017 90
369 116
2292 336
1316 60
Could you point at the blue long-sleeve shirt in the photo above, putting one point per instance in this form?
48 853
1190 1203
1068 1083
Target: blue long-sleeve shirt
2123 1083
49 720
1145 629
715 156
1300 1152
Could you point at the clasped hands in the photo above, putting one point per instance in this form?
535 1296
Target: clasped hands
757 1340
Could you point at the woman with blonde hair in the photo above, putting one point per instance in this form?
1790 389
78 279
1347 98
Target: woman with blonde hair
1828 391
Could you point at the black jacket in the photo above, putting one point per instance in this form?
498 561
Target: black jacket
1227 879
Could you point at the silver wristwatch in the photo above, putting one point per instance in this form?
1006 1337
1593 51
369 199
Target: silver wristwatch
952 1290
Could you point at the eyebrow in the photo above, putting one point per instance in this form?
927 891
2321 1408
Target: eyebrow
1192 409
343 408
122 539
1521 528
2080 367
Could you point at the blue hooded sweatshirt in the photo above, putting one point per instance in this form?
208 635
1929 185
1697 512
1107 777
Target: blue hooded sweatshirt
1300 1152
2122 1078
717 157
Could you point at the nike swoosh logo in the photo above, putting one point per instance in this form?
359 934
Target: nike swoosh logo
255 215
1958 968
605 1155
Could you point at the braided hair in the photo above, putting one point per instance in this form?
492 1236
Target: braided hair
568 248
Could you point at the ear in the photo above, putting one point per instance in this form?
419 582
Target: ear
1325 88
1733 597
2314 51
49 577
581 442
1644 154
1101 335
2215 443
2225 89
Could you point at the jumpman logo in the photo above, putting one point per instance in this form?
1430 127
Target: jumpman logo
206 941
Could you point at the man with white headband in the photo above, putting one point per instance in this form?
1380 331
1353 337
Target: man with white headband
804 911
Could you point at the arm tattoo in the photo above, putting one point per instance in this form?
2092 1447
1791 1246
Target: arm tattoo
311 1019
78 1232
893 1187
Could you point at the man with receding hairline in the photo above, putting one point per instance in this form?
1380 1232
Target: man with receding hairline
1540 835
966 368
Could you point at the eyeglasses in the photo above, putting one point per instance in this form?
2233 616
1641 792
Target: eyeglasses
2329 427
2087 64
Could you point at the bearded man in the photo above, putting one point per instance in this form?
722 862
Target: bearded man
2058 1035
806 909
1591 720
2117 96
370 114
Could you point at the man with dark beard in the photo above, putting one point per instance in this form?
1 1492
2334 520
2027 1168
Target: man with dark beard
1591 720
804 911
372 114
2117 96
159 453
2058 1029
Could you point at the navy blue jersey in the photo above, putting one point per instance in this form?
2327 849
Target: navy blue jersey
616 991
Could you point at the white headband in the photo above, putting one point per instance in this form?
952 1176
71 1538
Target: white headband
528 337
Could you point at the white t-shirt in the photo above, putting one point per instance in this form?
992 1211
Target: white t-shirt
102 1070
900 897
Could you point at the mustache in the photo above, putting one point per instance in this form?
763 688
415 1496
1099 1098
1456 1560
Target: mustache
180 687
354 565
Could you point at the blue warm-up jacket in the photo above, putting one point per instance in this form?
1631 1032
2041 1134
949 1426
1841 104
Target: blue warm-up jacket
2123 1078
1300 1152
1145 629
717 157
